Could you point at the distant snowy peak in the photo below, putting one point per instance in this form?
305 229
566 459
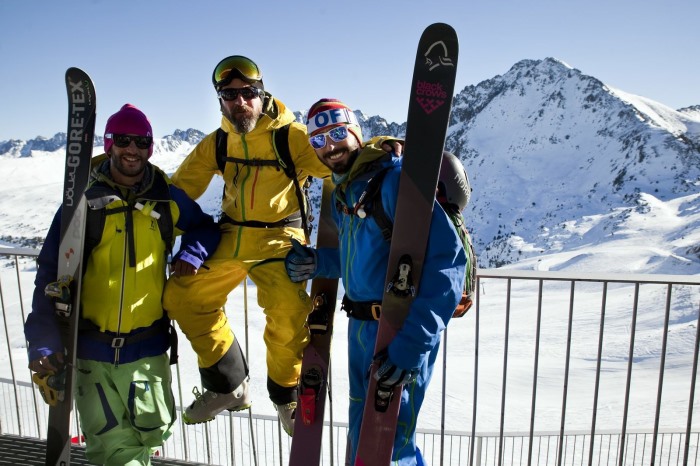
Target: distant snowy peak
19 148
173 142
691 112
676 122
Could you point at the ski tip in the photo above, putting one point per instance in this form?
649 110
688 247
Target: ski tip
74 71
443 28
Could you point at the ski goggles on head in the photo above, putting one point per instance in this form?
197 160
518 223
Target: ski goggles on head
337 134
123 140
247 93
235 66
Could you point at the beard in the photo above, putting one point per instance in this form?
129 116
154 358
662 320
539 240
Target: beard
243 117
344 166
127 172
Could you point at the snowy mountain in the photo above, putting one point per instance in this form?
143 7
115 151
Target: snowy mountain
559 163
555 156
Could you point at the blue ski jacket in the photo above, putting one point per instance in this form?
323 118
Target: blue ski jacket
118 298
362 256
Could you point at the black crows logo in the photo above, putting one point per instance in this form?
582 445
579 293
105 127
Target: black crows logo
430 95
437 55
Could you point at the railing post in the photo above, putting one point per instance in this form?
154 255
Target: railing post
478 451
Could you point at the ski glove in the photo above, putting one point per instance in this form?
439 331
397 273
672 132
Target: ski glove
389 375
301 262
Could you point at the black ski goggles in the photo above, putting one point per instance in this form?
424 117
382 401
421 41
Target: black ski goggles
232 93
123 140
235 66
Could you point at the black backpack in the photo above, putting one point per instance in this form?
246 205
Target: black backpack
95 219
370 203
280 138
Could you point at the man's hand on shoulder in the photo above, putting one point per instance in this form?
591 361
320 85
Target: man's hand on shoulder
393 146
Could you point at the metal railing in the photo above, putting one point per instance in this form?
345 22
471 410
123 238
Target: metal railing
548 368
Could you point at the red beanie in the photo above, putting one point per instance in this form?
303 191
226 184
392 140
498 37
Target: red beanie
327 113
128 120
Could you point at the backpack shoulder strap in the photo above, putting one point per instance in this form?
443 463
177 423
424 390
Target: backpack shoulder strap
94 226
221 140
370 202
281 146
373 193
280 143
165 220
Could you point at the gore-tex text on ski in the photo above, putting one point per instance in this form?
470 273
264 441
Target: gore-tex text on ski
75 136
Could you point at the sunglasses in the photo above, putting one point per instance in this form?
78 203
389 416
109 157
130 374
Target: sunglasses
235 66
247 93
123 140
337 134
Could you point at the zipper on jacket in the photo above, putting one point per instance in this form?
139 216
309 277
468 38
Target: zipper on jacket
350 234
121 291
242 197
245 178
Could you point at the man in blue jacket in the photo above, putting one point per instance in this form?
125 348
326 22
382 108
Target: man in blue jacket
123 384
361 260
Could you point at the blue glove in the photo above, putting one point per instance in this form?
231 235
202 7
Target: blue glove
389 375
301 262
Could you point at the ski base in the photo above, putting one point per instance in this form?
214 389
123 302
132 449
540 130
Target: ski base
314 386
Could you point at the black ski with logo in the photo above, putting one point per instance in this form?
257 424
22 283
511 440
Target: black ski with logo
428 118
82 105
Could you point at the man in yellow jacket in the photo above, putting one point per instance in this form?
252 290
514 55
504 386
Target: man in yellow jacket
260 214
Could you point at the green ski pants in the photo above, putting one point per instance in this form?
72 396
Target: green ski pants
126 411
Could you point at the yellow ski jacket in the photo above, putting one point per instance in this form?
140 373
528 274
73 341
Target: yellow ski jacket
253 192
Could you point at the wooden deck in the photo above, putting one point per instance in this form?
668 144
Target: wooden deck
29 451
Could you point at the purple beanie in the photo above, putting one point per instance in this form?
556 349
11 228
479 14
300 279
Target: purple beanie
128 120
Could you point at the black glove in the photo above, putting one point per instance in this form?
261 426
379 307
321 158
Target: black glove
389 375
301 262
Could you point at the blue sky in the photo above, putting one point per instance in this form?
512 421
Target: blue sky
159 54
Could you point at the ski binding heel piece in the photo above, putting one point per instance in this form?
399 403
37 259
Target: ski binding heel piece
402 282
382 397
60 292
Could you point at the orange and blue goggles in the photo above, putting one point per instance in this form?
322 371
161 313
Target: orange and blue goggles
337 134
235 66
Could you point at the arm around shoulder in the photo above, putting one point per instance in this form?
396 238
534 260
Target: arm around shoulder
195 172
304 156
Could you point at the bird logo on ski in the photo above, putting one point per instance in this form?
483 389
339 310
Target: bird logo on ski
428 117
313 384
82 105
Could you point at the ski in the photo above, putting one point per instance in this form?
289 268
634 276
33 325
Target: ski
79 139
428 118
313 383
